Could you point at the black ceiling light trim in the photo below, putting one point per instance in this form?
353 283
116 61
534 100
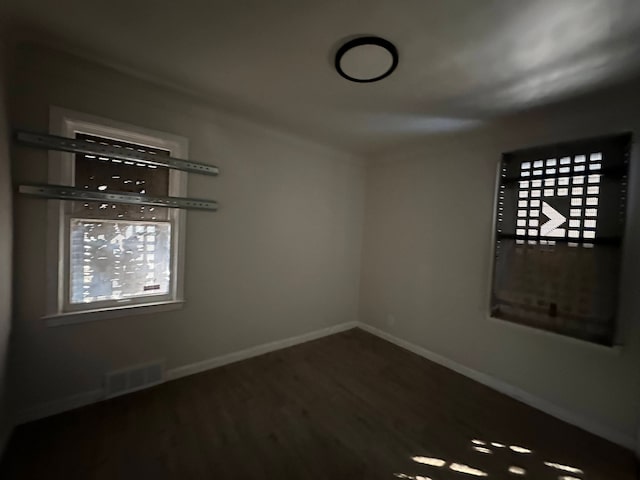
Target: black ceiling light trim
357 42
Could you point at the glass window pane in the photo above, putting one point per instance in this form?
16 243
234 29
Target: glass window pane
113 260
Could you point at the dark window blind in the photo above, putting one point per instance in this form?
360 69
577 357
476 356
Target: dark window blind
559 230
104 174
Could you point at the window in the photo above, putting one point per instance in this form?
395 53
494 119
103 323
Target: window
559 230
108 258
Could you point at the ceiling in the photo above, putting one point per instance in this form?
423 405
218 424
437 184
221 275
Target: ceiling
461 61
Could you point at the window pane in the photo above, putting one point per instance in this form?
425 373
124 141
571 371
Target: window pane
112 260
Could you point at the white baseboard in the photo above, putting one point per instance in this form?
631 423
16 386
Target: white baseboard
58 406
210 363
86 398
538 403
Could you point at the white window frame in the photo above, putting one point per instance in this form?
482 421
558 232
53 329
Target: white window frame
60 311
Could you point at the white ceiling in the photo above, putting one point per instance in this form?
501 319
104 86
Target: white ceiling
461 61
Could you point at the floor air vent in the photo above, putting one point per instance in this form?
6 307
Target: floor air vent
135 378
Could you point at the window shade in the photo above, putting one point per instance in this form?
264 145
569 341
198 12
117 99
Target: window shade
559 230
103 174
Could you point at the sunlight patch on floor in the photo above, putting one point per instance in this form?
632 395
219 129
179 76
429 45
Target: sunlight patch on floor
518 449
564 468
410 477
481 446
483 449
517 470
434 462
461 468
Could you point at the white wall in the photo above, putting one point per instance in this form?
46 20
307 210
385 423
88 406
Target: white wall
6 236
281 257
427 259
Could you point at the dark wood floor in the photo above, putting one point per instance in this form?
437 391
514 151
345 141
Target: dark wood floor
349 406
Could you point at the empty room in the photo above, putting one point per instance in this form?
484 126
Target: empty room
342 239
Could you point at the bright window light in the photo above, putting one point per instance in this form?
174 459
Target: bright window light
115 260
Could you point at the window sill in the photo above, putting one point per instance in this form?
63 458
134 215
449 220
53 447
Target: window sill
70 318
615 349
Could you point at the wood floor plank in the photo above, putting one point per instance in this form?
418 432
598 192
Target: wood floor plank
350 406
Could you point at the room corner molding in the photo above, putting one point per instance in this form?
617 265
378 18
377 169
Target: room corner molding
590 425
208 364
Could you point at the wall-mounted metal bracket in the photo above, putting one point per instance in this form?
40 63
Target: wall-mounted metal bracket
62 192
103 149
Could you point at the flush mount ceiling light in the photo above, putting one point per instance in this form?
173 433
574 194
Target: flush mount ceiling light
366 59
